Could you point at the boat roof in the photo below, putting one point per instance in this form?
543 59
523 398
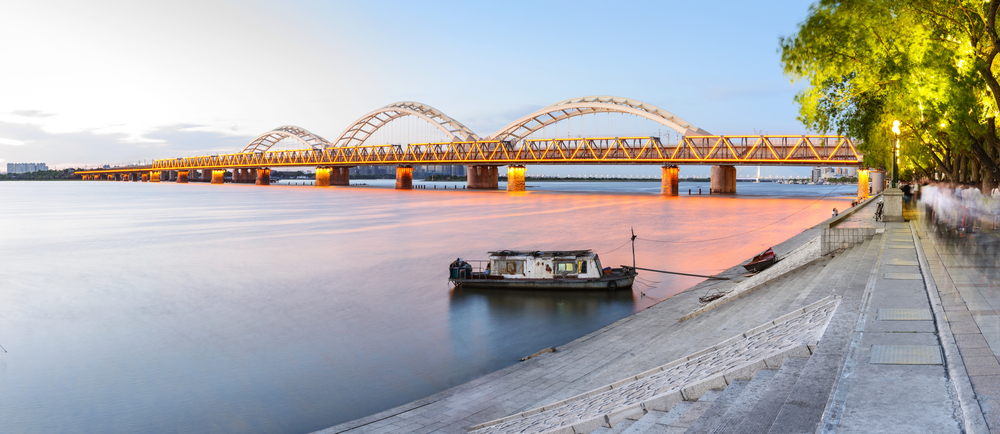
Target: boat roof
543 253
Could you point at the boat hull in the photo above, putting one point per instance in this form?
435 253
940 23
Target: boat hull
607 283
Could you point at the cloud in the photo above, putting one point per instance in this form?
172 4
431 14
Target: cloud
11 142
31 113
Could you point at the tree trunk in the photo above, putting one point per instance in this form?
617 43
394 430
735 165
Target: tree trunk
984 155
959 166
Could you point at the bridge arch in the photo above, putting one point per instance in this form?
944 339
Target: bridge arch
529 124
264 141
365 126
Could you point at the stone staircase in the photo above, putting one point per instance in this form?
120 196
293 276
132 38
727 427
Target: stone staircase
724 388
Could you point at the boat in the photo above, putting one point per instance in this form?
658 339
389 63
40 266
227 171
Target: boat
762 261
552 270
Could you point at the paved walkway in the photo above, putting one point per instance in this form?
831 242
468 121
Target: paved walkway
966 272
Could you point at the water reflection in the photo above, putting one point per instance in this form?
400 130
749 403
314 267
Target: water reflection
138 307
491 326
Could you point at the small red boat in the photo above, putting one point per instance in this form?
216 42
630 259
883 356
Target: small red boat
761 262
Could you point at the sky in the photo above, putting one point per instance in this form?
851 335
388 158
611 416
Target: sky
94 82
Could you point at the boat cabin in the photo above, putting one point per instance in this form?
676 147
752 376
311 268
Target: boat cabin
512 264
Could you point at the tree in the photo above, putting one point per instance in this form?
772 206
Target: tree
926 63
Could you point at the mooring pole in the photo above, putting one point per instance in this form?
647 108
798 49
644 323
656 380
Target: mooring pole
633 247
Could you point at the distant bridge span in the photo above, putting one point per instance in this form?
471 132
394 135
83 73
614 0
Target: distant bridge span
510 146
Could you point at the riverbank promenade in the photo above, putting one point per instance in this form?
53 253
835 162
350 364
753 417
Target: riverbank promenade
897 332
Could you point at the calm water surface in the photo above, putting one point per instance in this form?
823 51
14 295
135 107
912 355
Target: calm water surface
138 307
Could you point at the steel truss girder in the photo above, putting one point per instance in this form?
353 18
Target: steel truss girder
813 150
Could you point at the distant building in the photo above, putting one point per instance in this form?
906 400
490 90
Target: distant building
25 167
821 173
419 171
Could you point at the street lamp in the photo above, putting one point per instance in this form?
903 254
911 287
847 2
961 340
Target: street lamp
895 155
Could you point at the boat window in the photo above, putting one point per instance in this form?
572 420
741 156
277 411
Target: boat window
565 267
583 267
597 263
511 267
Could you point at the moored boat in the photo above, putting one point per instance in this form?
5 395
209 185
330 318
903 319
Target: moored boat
574 270
762 261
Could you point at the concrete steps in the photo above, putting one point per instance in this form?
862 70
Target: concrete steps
792 398
743 406
803 410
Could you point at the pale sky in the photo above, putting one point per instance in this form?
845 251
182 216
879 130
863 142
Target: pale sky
90 82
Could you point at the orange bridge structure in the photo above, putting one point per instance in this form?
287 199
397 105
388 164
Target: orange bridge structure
511 146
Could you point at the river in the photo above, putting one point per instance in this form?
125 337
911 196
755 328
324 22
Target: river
143 307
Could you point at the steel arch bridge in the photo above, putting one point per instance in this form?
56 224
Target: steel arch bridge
512 144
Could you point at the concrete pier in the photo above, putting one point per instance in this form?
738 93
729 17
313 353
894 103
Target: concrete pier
483 177
182 176
218 176
669 180
723 180
340 176
404 177
515 178
863 189
263 176
322 177
154 176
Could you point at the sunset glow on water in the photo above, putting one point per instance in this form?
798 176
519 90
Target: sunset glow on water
134 307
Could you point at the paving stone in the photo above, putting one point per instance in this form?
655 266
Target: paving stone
963 327
892 314
971 340
981 365
977 352
987 386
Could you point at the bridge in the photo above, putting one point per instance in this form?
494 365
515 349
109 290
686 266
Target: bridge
514 146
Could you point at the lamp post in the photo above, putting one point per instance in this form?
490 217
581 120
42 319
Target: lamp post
895 155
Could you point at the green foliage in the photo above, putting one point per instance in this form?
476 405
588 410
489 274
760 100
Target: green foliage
869 62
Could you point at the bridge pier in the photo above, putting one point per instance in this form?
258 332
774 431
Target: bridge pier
154 176
723 180
246 175
263 176
878 181
404 177
515 178
669 180
182 176
322 177
340 176
483 177
218 176
862 184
